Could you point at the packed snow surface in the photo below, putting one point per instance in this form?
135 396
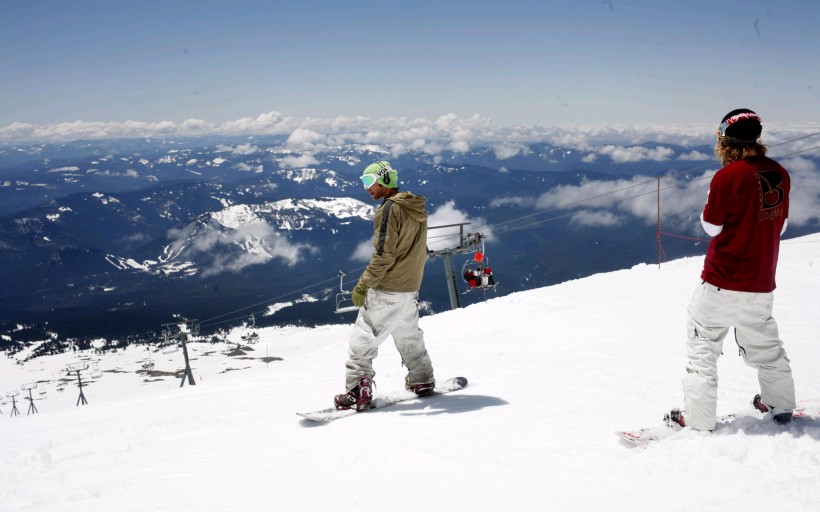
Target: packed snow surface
553 372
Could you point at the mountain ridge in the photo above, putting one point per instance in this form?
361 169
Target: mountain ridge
124 261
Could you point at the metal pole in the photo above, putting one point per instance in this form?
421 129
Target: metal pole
464 246
82 395
31 406
450 275
13 396
188 372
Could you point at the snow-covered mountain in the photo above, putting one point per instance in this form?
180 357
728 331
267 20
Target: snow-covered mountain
553 373
247 232
116 237
33 174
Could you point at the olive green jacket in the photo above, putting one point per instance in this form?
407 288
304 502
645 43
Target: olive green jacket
400 245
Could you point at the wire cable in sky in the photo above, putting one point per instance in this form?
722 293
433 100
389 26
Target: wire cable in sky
211 322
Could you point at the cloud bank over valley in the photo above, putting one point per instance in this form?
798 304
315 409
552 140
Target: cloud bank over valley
305 136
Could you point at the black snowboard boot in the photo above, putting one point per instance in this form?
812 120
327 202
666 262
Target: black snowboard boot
780 416
423 389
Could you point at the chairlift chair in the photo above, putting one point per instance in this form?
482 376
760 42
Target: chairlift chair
95 370
344 300
251 336
477 273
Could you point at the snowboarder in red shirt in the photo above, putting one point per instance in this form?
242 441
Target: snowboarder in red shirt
745 214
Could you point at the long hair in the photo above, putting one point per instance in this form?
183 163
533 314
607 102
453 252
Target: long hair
728 149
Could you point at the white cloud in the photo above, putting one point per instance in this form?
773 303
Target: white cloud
596 218
681 200
459 146
193 126
624 155
223 249
129 173
505 151
298 161
513 201
696 156
437 239
623 144
244 167
804 198
447 214
799 164
303 139
240 149
363 251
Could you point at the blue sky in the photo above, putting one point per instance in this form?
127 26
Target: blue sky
513 63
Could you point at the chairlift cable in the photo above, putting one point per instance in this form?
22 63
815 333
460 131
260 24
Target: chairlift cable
210 322
623 189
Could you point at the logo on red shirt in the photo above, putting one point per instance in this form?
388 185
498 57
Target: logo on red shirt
771 195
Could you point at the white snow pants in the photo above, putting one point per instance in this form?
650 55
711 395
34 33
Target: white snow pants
385 314
711 313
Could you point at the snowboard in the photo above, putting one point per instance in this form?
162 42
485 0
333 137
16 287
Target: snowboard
380 401
806 409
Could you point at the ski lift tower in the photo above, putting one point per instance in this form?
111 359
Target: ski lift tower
193 327
77 368
467 243
13 396
31 406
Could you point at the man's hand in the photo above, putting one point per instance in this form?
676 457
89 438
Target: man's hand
360 294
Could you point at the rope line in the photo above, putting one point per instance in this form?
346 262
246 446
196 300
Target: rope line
694 239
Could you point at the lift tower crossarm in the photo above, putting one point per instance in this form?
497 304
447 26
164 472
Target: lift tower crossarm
465 245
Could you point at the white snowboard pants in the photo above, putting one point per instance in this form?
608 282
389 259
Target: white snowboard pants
385 314
711 313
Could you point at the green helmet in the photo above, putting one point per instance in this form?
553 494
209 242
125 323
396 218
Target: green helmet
386 175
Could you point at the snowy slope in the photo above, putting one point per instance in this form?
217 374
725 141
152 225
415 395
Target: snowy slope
553 372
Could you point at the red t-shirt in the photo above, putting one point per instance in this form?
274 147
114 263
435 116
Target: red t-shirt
750 199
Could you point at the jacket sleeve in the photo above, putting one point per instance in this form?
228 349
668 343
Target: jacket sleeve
711 229
717 206
386 242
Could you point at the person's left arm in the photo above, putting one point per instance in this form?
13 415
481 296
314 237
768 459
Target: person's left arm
386 246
